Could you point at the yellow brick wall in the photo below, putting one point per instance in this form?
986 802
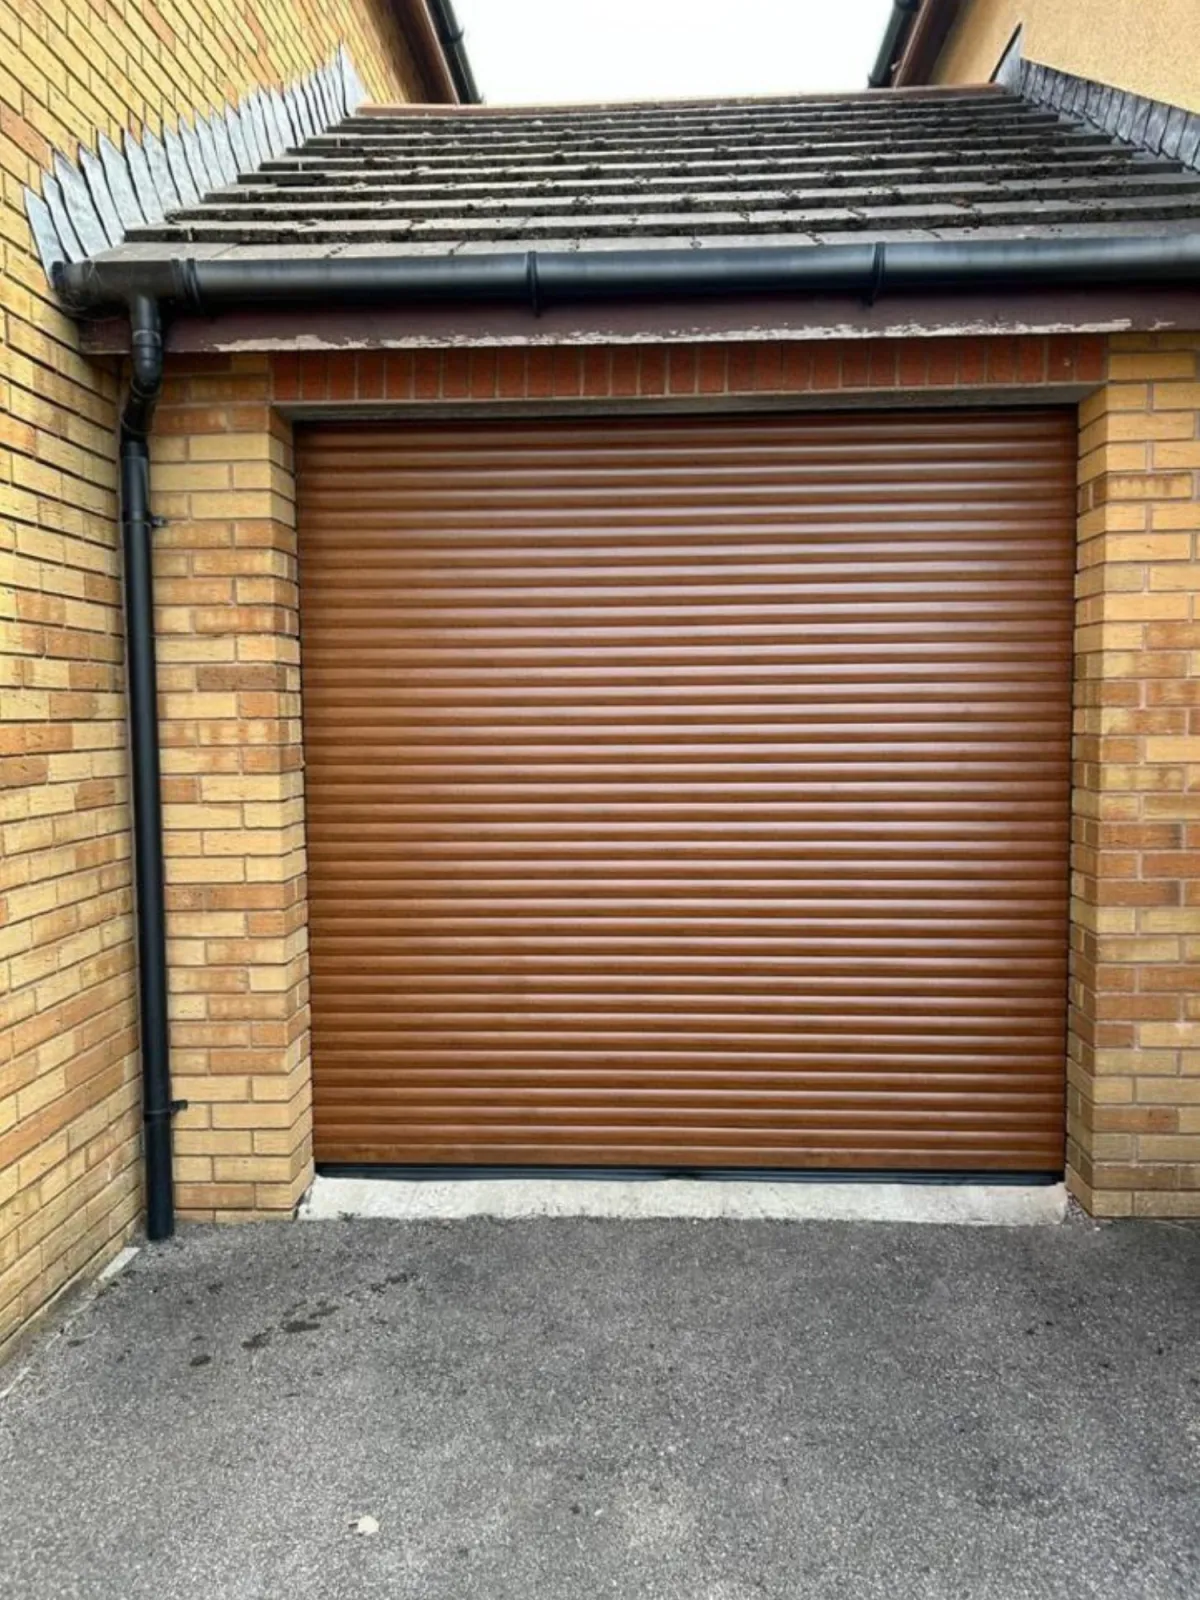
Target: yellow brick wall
69 1178
1134 1097
229 679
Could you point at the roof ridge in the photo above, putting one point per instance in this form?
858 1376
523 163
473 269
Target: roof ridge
935 92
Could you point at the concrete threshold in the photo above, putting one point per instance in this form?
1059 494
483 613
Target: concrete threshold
432 1200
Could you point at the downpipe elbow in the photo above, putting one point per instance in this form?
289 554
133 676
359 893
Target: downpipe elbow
145 367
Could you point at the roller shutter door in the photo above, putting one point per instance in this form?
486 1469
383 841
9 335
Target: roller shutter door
689 793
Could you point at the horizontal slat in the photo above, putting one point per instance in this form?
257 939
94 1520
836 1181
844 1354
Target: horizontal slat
689 792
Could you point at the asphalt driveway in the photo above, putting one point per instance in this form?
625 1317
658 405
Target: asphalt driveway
553 1409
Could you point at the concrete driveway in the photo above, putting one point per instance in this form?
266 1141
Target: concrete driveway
553 1409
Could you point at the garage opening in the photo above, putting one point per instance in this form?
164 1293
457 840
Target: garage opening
690 793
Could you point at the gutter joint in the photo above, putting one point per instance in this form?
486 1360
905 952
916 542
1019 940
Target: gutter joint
532 283
878 269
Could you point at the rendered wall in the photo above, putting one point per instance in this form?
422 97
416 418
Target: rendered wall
1151 47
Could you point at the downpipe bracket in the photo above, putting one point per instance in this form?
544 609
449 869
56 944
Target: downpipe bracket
165 1112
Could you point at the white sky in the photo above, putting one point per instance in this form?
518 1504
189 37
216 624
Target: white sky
566 50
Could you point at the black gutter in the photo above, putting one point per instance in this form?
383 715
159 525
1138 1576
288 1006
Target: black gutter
451 38
891 46
539 279
145 385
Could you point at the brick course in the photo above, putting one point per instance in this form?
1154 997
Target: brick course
69 1177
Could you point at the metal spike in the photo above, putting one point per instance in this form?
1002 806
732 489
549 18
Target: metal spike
355 91
309 90
220 136
293 114
160 172
289 118
197 166
121 184
262 150
1189 141
63 227
45 234
1156 125
327 89
208 150
263 125
265 142
310 100
1143 134
80 208
283 115
1176 123
333 83
315 101
275 134
181 175
1126 115
301 111
332 115
237 140
304 88
282 120
309 85
249 134
279 118
93 174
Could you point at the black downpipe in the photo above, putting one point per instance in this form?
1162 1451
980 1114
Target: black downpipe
539 279
137 526
895 37
451 37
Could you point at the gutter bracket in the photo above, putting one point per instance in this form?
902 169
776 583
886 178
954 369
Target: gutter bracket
187 281
532 283
878 268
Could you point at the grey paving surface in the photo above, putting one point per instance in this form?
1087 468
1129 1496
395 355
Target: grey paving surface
536 1410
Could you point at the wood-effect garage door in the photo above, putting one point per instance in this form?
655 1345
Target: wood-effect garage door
689 793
